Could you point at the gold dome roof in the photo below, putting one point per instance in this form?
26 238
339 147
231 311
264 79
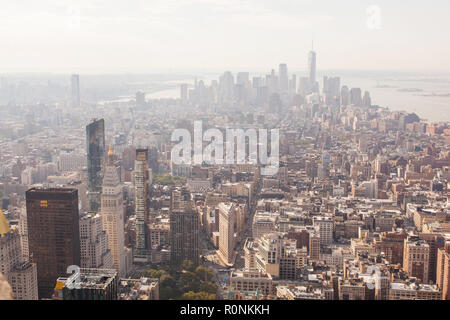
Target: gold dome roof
4 226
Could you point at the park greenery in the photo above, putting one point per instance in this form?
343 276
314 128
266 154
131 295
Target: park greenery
185 282
168 180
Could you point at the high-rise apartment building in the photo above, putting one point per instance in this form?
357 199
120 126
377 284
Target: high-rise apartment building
95 146
53 233
141 175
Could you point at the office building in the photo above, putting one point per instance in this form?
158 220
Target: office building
88 284
226 232
312 70
283 78
53 232
94 249
23 280
95 146
112 212
184 230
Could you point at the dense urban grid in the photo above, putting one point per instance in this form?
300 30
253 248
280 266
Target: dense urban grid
93 207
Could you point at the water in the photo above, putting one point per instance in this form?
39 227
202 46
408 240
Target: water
427 96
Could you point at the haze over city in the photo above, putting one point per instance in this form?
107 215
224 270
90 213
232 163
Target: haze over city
203 35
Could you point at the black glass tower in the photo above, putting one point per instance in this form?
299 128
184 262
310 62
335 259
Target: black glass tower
95 139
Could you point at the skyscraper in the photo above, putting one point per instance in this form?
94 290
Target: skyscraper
140 99
345 96
53 231
283 78
141 194
366 101
226 232
332 90
355 96
95 252
75 89
112 214
226 86
21 274
312 70
95 140
184 229
183 92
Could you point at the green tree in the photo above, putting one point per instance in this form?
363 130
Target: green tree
167 280
189 281
167 293
208 287
153 273
188 265
204 273
191 295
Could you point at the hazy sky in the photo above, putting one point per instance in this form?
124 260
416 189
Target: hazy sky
162 35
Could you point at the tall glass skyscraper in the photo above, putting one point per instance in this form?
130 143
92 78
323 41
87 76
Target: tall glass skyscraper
312 68
95 139
283 78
